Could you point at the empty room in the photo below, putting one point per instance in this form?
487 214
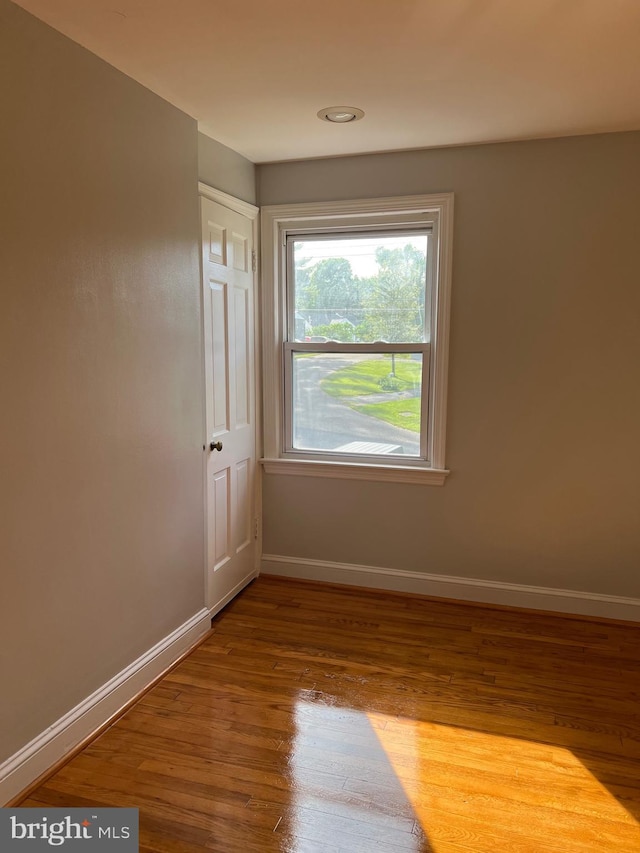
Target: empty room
323 536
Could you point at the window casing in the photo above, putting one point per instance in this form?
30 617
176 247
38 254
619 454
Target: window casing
415 354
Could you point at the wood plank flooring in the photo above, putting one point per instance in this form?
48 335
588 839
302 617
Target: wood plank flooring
318 719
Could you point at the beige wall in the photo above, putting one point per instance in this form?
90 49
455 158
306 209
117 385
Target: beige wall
101 539
544 407
225 169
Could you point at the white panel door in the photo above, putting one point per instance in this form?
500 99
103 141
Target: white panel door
227 247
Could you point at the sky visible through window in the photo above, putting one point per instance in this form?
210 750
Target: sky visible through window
360 251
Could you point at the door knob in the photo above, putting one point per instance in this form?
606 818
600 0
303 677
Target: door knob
215 445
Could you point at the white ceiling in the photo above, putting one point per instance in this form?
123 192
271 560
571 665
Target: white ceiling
426 72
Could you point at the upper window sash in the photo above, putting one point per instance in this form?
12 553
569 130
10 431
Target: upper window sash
290 238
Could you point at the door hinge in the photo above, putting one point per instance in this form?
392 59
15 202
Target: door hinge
256 528
254 261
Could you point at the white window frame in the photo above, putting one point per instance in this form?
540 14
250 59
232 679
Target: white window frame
434 212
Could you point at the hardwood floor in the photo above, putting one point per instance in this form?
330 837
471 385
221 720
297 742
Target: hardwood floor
318 719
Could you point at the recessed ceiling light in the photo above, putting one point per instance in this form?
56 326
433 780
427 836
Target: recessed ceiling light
340 115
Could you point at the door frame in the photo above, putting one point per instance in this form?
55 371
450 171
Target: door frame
250 211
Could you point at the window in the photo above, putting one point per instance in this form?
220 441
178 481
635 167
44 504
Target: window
356 304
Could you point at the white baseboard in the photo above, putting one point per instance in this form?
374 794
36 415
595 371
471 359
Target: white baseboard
462 589
34 759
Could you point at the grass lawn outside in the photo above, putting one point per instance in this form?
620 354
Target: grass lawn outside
364 378
400 413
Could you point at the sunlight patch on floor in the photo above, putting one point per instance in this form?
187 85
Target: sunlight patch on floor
363 782
478 790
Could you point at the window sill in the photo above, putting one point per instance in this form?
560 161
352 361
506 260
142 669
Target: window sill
356 471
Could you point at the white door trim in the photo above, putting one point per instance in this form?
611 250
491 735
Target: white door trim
233 203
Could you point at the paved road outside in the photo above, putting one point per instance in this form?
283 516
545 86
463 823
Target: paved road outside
322 422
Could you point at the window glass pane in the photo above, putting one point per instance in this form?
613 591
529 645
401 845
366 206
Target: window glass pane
362 404
360 288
